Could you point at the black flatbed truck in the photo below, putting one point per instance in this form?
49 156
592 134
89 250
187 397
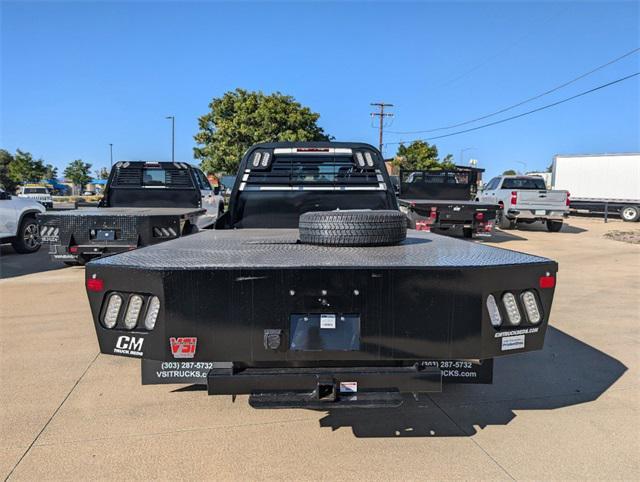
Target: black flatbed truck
443 201
144 203
249 309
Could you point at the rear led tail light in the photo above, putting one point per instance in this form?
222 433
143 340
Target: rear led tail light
112 311
73 249
95 284
133 311
479 216
568 198
514 197
510 305
152 313
547 281
531 307
494 312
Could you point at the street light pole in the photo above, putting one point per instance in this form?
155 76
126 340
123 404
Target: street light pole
173 137
111 154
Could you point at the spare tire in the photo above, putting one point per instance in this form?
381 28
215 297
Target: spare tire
353 228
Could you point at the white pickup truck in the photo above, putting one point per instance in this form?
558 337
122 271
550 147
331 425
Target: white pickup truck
526 199
18 224
37 193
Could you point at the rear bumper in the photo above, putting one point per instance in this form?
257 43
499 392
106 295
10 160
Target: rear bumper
415 378
86 252
537 214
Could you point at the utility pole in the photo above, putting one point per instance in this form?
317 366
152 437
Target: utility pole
111 154
382 114
173 136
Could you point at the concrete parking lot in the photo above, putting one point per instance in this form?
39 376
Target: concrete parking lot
570 411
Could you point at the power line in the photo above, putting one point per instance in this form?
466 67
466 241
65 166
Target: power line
524 113
554 89
382 114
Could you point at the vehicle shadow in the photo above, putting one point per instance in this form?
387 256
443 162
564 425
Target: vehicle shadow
498 236
566 372
533 227
13 264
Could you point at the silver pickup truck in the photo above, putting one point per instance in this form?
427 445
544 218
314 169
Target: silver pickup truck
525 199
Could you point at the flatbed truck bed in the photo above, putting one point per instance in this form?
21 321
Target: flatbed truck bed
336 304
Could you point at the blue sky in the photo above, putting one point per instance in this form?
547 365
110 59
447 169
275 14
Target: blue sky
77 76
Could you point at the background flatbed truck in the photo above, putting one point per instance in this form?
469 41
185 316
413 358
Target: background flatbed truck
144 203
443 201
334 306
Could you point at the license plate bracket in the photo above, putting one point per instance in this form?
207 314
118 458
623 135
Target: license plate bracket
105 235
325 332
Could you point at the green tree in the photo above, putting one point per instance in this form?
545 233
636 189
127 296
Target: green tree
24 168
5 179
421 156
78 172
102 173
242 118
50 172
509 172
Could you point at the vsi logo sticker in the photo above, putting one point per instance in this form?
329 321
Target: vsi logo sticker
183 347
129 345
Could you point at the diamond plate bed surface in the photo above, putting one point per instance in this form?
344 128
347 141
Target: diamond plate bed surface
278 248
124 212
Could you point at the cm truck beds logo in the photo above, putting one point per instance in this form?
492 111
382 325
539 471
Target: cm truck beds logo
183 347
129 345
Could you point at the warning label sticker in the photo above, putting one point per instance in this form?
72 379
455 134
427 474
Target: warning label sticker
512 342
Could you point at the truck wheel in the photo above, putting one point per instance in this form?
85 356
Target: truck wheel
27 239
353 228
554 226
467 233
630 214
504 222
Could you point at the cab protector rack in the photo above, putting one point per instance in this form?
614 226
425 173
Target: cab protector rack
257 307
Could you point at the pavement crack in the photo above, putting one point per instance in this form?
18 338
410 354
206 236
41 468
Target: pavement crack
55 412
471 438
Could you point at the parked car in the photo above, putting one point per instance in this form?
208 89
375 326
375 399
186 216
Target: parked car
526 199
37 193
311 292
18 224
144 203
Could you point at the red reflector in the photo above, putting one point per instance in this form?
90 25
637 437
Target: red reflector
479 216
547 281
95 284
73 249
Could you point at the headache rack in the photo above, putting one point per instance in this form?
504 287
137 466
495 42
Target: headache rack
317 171
134 176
